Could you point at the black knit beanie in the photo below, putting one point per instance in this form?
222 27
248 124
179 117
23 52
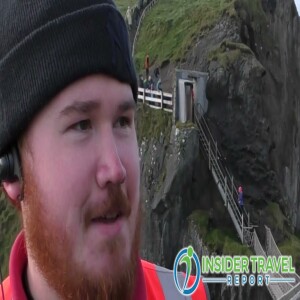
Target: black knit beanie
47 44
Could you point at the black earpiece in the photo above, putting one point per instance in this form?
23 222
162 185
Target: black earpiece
10 169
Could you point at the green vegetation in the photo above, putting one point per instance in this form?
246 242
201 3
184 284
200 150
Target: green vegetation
277 221
188 124
151 123
123 5
252 12
221 240
275 217
228 52
291 246
172 26
9 227
200 219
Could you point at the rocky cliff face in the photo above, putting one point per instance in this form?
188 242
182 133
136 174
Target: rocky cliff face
253 61
281 97
258 92
175 185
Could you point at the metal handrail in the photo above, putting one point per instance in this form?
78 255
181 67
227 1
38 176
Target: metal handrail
139 25
221 173
278 290
216 164
218 153
292 292
216 167
272 250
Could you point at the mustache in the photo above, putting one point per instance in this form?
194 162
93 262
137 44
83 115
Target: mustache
116 203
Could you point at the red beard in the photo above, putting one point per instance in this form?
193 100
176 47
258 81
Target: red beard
51 251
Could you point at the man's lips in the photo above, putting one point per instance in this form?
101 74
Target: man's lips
107 218
107 225
115 207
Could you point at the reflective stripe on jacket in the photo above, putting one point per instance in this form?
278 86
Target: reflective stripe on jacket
160 284
6 289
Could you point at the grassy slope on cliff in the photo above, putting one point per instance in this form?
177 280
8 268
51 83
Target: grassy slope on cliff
172 26
9 227
152 123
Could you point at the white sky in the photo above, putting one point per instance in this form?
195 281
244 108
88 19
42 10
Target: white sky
297 2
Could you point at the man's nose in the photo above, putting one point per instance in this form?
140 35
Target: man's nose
110 167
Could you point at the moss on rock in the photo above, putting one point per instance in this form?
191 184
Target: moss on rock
291 246
275 217
227 53
152 123
221 240
186 125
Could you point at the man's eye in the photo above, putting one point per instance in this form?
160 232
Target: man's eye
123 122
82 125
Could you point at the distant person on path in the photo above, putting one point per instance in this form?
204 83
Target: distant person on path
146 84
156 72
192 94
129 18
158 85
158 88
141 81
140 4
151 85
193 101
241 198
147 65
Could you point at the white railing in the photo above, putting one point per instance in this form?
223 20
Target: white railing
146 9
275 290
257 247
245 230
156 99
223 179
293 293
271 247
272 250
280 291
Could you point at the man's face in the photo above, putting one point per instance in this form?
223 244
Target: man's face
81 172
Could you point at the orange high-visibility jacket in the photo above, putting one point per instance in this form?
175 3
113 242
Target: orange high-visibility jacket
158 281
153 282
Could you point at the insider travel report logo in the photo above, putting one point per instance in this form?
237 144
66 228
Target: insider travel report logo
231 270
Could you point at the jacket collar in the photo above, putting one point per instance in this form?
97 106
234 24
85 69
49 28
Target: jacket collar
18 263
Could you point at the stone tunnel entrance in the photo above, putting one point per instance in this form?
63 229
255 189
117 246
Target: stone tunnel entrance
190 90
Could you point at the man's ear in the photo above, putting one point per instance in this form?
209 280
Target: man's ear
13 190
